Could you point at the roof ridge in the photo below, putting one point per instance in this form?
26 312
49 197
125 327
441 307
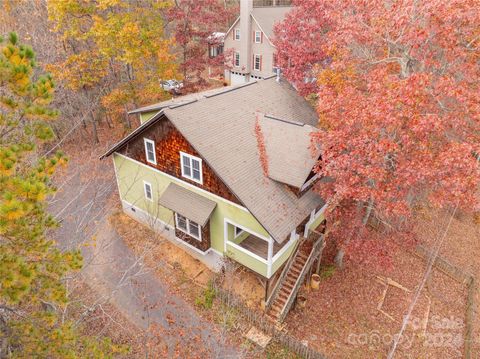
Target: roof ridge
231 89
182 104
292 122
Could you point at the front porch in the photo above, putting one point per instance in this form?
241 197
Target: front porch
261 254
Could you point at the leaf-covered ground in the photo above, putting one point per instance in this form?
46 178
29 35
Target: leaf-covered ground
342 318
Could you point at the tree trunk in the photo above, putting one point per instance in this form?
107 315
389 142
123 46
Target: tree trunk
339 258
95 132
127 119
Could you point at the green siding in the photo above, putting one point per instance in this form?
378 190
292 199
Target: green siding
132 174
145 116
316 222
247 260
283 258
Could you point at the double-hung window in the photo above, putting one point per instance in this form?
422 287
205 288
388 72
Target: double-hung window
237 59
189 227
258 37
148 191
191 167
150 151
257 62
237 34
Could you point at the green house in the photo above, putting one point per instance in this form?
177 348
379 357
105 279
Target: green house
225 173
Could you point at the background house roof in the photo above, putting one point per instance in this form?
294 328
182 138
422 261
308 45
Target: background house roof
267 17
289 151
187 203
222 129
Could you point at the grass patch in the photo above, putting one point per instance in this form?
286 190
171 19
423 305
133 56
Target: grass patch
277 351
205 300
327 272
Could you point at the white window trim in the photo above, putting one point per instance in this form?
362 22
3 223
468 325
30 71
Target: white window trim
145 184
199 238
259 33
235 59
183 154
145 141
255 56
237 31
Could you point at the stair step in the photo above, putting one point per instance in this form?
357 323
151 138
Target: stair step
295 272
288 285
277 308
297 267
291 276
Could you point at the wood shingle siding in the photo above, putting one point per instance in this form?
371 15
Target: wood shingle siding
203 245
169 142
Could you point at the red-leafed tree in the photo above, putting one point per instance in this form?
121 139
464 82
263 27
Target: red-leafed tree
397 85
194 24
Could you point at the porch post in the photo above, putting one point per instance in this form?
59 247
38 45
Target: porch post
270 256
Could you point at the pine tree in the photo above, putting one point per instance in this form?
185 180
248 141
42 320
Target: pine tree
31 266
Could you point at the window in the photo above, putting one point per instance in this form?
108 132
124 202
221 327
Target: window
238 231
150 151
191 167
257 62
237 59
189 227
236 35
258 37
148 191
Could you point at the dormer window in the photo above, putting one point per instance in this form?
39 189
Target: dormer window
236 34
150 151
258 37
191 167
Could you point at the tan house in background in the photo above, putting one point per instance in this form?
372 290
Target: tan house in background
251 39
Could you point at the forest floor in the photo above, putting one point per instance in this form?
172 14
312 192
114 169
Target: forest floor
344 317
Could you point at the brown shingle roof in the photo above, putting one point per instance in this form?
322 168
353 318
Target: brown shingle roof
221 129
267 17
288 147
187 203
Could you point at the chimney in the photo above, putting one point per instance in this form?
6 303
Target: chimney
246 7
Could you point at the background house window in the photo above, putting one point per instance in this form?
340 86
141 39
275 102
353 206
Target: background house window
187 226
191 167
237 34
148 191
237 59
257 62
258 37
150 151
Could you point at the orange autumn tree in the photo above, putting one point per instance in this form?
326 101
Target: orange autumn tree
397 86
117 51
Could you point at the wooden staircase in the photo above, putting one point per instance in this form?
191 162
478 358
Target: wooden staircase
291 279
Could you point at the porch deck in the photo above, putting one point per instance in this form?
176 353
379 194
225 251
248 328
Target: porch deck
259 246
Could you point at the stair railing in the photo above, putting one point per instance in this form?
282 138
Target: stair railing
317 247
280 279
